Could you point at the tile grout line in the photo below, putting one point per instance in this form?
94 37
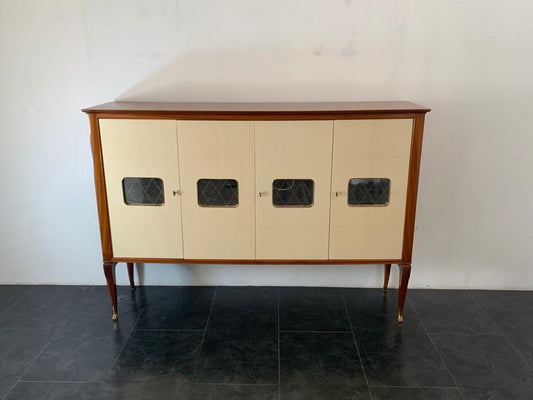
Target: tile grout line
279 355
127 340
47 344
416 387
347 332
355 342
435 347
168 330
203 336
499 330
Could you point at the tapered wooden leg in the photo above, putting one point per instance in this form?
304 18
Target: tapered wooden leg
405 272
130 275
109 271
386 278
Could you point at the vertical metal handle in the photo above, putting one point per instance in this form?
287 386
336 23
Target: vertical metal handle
338 194
263 194
176 192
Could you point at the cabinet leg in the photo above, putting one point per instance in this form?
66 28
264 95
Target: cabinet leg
130 275
386 278
109 271
405 272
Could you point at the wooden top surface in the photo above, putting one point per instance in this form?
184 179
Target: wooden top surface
328 108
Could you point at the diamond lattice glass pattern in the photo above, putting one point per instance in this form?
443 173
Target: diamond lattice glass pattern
218 192
368 191
293 192
143 191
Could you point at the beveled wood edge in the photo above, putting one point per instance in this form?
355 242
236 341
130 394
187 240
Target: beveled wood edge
101 193
412 188
259 261
253 116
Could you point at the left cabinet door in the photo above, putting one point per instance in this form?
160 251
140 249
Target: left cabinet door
142 184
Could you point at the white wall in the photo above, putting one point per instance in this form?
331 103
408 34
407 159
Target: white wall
470 61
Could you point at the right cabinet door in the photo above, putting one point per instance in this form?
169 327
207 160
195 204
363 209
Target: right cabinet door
370 171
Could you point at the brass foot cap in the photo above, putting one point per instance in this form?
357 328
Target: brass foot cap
400 316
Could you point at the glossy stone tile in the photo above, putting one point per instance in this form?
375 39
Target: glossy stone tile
150 355
54 391
18 349
397 393
512 312
184 390
450 311
9 294
45 307
486 366
156 388
183 307
312 309
393 354
320 365
241 342
86 347
233 392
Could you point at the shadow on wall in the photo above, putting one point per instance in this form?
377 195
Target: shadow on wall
269 75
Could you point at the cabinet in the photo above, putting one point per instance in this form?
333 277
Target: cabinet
257 183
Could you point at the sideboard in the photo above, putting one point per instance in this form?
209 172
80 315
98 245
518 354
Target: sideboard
257 183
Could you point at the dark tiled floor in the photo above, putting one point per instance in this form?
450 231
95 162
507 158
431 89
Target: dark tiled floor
58 342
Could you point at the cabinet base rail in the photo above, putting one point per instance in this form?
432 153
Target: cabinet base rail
405 273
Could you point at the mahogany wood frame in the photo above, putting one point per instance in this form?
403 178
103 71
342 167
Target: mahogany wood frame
258 112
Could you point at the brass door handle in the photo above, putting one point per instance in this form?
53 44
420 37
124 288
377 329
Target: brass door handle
176 192
338 194
263 194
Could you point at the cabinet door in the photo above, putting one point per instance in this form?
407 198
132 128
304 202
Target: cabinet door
217 180
369 188
293 172
141 177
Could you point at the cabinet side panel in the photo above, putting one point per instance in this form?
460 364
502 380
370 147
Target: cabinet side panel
292 150
220 153
378 149
142 149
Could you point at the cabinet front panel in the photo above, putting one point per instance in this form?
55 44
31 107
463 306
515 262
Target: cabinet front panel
217 181
369 188
293 172
141 176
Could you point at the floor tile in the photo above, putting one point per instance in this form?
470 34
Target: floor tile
486 366
312 309
45 307
233 392
450 311
320 365
150 355
393 354
181 389
18 348
54 391
9 294
86 347
396 393
512 312
183 307
156 388
241 342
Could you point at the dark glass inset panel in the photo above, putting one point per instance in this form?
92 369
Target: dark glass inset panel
143 191
293 192
218 192
368 191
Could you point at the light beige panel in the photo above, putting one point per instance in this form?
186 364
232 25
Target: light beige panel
218 150
369 149
299 150
142 148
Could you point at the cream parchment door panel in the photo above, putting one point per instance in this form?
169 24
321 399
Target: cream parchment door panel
141 176
377 149
293 165
217 180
